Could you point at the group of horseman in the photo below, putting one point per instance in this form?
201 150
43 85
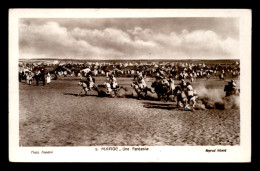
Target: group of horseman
111 84
184 92
29 76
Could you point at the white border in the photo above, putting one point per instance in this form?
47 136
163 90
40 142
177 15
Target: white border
241 153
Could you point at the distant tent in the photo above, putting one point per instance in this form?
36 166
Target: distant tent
62 63
39 63
129 68
55 62
108 68
86 70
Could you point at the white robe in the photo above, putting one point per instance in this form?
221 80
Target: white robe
48 79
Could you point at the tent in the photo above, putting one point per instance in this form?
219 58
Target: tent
55 62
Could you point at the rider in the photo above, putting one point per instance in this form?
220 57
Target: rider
171 82
113 81
190 92
165 81
90 80
233 84
230 87
172 86
183 84
158 77
191 77
108 87
140 81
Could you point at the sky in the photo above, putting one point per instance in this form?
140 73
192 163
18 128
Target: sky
129 38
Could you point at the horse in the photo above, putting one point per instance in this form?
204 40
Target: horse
108 87
140 90
230 91
162 90
115 87
112 87
86 86
102 91
40 76
182 99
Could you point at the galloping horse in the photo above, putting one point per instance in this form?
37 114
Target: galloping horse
160 89
182 100
230 91
140 90
87 86
114 87
164 91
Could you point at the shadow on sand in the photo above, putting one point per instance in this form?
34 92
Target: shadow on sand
74 94
159 105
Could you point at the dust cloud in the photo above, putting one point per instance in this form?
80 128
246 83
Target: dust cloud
215 99
207 98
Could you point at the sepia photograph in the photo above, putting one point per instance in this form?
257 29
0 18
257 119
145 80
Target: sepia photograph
140 85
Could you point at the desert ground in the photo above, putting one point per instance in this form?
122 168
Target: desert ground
53 115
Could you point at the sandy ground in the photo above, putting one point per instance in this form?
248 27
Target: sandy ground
53 115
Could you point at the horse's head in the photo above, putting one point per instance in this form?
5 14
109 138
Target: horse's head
107 84
134 85
80 83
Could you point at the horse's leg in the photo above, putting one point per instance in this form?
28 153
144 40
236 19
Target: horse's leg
186 104
160 96
173 98
168 96
194 103
138 96
43 80
115 93
188 100
85 90
80 92
145 93
179 104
